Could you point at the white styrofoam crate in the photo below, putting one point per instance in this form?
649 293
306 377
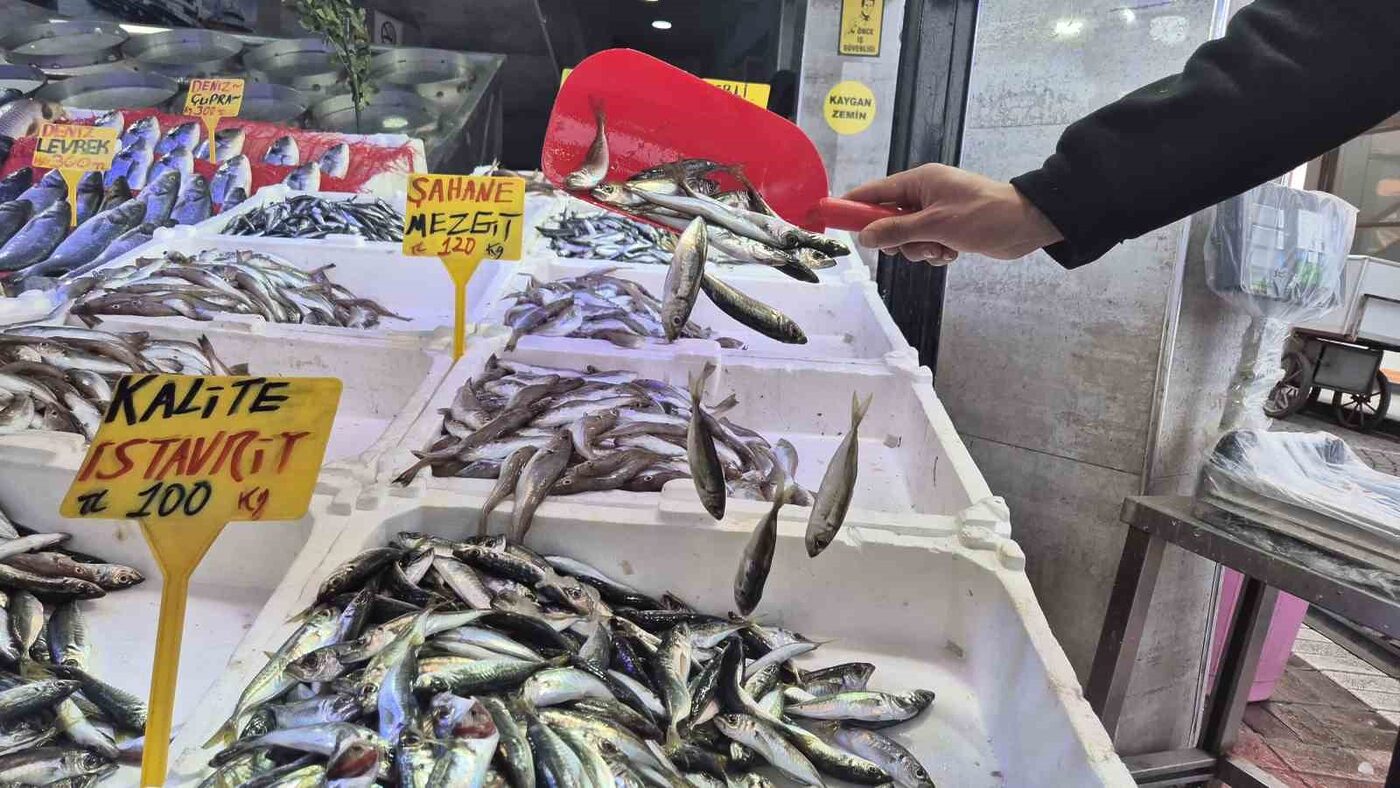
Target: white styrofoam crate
844 319
915 473
226 593
418 288
538 248
386 383
952 612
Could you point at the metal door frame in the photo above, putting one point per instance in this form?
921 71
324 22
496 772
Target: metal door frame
935 59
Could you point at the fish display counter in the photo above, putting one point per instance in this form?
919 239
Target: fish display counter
842 677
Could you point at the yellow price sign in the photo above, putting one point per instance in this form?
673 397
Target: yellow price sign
184 455
756 93
212 99
462 220
73 150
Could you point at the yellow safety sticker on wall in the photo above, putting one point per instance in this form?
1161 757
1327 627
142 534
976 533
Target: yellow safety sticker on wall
850 107
860 27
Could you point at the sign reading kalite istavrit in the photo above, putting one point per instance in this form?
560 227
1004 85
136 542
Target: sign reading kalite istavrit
464 216
206 447
67 146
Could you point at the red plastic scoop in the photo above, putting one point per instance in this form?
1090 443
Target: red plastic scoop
657 113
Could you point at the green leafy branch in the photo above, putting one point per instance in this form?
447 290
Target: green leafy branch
342 24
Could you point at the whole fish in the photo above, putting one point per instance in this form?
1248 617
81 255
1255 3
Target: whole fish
283 151
882 751
705 468
89 195
192 205
14 184
179 161
13 215
37 239
134 238
234 172
22 118
145 130
125 710
838 485
228 142
50 189
757 559
33 697
871 709
753 313
90 240
770 744
683 279
159 197
335 162
515 751
186 135
594 167
47 765
672 674
133 163
305 178
555 763
536 479
505 484
68 636
116 193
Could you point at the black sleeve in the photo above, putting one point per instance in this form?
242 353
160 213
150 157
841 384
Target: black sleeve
1290 80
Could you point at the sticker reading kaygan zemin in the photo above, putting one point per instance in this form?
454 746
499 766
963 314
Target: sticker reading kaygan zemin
849 107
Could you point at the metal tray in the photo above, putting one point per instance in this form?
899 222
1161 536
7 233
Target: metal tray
437 75
25 79
113 90
185 53
307 64
390 111
64 44
262 101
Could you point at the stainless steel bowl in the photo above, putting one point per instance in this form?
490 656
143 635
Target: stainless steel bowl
25 79
390 111
437 75
64 44
262 101
185 53
113 90
307 64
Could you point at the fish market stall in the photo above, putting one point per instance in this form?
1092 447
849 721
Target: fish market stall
950 614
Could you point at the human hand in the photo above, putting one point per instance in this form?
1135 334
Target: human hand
948 211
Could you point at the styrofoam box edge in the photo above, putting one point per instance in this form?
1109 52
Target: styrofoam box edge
972 543
678 502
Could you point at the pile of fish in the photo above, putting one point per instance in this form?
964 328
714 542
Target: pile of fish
543 431
740 223
35 217
433 662
304 216
595 305
56 377
59 723
147 153
604 237
214 282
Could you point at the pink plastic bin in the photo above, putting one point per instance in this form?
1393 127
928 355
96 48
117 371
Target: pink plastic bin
1289 611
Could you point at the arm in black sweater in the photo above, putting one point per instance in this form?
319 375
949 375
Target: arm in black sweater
1290 80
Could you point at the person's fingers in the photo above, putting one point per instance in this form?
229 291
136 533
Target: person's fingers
923 250
892 232
897 189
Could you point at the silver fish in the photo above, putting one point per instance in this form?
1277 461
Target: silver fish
594 167
769 743
283 151
192 204
50 189
705 468
13 215
757 559
90 240
882 751
228 142
505 483
133 163
179 161
838 485
37 239
234 172
683 279
160 197
753 313
146 130
536 479
131 239
22 118
305 178
15 184
186 135
89 196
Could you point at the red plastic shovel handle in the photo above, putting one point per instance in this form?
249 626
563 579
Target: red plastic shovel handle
852 215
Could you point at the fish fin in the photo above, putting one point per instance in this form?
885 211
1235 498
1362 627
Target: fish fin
239 369
859 408
224 734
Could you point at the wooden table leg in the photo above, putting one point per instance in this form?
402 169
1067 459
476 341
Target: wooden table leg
1123 625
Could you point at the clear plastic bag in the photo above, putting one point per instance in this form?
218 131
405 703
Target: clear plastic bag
1279 255
1315 471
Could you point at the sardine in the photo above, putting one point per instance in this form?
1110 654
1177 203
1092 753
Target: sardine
283 151
838 485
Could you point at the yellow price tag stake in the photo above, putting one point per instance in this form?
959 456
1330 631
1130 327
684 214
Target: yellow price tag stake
184 455
74 150
212 99
461 220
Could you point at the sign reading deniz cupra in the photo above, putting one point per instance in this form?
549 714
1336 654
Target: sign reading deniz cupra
206 447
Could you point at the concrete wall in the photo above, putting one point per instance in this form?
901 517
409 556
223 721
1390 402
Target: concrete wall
1052 376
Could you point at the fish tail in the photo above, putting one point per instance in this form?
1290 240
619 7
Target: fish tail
224 734
405 478
859 408
600 113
